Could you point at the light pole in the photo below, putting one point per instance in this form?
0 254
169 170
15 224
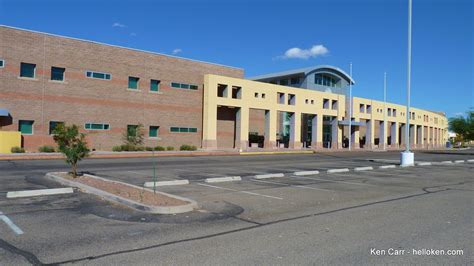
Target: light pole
350 107
385 110
407 158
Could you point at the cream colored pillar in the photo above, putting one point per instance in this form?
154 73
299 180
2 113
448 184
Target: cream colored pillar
394 135
270 129
382 134
369 134
209 119
355 136
242 128
295 131
413 136
317 132
420 136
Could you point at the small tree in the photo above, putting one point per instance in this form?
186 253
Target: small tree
134 135
463 126
72 144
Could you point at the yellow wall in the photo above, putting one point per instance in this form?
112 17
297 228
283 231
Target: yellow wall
248 100
9 139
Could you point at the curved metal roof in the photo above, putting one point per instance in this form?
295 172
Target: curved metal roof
304 71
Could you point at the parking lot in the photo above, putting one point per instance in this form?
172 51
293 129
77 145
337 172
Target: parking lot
318 218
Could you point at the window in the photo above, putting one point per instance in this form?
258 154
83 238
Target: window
256 95
326 80
334 104
2 63
27 70
325 103
281 97
222 90
394 112
153 132
361 108
306 101
294 81
133 83
26 127
184 86
98 75
312 101
291 99
369 108
236 92
53 125
57 73
183 129
132 130
284 82
96 126
154 85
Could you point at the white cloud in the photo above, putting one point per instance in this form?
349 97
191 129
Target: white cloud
314 51
118 25
133 34
176 51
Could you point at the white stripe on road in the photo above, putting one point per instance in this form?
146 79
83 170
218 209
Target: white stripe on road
387 166
269 176
341 170
9 222
336 181
301 173
423 163
290 185
364 168
39 192
446 162
245 192
470 161
459 161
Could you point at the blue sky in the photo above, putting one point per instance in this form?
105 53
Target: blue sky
254 35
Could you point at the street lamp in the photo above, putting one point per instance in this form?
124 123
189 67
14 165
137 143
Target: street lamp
407 158
385 109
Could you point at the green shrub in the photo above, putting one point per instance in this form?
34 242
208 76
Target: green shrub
186 147
159 148
17 150
117 148
46 148
148 148
170 148
139 148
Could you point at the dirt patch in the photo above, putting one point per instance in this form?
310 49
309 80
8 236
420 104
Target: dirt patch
128 192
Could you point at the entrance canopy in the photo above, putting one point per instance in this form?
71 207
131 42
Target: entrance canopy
4 112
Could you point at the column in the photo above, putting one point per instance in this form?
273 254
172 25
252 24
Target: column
270 129
355 136
420 136
295 131
402 135
336 141
317 132
413 136
382 134
369 134
242 128
394 135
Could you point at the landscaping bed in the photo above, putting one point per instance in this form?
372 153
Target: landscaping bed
135 197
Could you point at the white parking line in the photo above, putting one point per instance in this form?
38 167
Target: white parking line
9 222
335 181
341 170
245 192
446 162
470 161
300 173
459 161
387 166
423 163
364 168
290 185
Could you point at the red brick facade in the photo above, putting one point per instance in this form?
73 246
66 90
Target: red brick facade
80 99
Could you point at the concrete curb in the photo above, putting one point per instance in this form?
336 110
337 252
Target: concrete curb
123 201
301 173
470 161
447 162
423 163
39 192
222 179
387 166
365 168
459 161
275 152
269 176
167 183
341 170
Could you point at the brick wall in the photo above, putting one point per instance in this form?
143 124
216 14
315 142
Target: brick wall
80 99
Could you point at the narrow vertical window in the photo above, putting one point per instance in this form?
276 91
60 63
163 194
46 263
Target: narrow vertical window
26 127
154 85
57 73
133 83
153 132
27 70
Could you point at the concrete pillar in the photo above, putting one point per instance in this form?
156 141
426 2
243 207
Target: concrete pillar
419 135
382 134
413 138
336 134
355 136
270 129
402 135
295 131
369 134
242 128
317 132
394 135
